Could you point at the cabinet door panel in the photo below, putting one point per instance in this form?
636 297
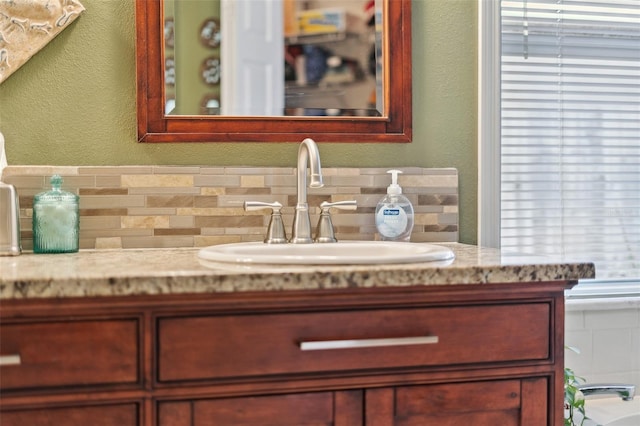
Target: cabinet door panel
457 398
306 409
281 410
106 415
488 403
175 414
496 418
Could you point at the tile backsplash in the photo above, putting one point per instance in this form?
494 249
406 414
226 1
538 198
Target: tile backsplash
182 206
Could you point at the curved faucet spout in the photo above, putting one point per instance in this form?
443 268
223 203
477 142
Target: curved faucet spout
308 150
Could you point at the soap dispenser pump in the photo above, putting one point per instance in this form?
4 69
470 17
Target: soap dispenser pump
56 220
394 213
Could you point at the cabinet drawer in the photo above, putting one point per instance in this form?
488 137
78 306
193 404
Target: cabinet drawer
214 347
104 415
67 353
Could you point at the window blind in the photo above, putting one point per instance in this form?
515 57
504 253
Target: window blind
570 131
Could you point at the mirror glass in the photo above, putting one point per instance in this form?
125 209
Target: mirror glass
273 70
273 57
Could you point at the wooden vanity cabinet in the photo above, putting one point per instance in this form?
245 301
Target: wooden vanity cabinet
441 355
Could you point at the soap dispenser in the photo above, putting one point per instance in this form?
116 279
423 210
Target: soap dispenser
56 220
394 213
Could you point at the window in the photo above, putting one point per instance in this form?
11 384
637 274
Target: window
560 131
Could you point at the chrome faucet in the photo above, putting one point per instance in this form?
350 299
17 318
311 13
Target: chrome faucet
626 392
308 150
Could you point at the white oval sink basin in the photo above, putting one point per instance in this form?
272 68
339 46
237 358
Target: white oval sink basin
340 253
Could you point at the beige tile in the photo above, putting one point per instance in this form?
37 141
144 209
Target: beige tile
170 201
106 233
448 219
264 171
314 201
216 180
427 180
348 180
164 191
111 181
104 212
217 211
40 170
283 190
21 181
108 243
251 181
211 170
425 219
417 208
212 191
115 170
280 180
25 202
99 222
77 182
205 202
435 237
153 181
157 242
176 231
145 222
111 201
248 191
181 221
247 231
439 199
227 221
380 191
209 240
213 232
352 219
152 211
176 170
103 191
346 171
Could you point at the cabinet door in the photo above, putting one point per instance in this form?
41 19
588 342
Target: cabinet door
104 415
317 409
490 403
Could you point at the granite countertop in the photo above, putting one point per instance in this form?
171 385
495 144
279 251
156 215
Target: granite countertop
178 270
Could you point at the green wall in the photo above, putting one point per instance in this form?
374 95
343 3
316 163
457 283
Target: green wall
73 103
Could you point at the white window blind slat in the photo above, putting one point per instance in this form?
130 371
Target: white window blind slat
570 131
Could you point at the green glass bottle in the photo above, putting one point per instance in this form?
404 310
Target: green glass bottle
56 220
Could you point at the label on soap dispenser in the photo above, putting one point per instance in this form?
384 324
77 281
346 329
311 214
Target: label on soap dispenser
391 221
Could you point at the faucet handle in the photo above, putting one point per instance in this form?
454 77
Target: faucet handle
324 231
275 231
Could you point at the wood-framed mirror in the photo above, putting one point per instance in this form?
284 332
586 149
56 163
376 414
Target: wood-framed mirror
393 124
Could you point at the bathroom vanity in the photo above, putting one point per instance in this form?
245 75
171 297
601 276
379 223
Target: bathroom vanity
159 337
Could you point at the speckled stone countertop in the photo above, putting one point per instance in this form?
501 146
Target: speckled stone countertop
180 271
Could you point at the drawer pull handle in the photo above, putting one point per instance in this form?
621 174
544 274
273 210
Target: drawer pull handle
367 343
6 360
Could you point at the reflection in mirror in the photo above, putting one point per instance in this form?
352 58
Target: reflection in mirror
323 78
278 57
